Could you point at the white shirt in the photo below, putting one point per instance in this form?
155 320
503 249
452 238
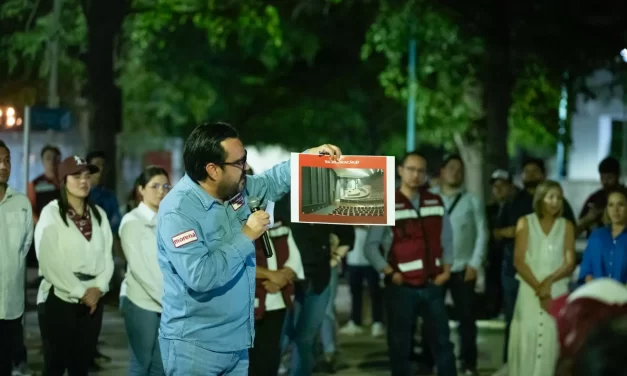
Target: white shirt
275 301
16 234
143 284
63 251
356 257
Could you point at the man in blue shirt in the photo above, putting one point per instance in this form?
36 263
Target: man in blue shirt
205 246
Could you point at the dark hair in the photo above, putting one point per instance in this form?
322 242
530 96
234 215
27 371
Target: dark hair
602 352
451 157
4 146
133 200
609 165
536 161
64 206
203 147
411 154
51 148
95 154
149 173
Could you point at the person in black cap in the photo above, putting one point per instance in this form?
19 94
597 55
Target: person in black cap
591 215
503 191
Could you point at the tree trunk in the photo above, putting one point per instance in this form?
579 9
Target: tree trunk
498 86
104 25
473 156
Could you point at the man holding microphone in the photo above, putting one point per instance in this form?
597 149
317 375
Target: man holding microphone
205 236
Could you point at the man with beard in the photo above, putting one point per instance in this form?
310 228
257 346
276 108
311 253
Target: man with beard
533 174
591 216
205 236
16 232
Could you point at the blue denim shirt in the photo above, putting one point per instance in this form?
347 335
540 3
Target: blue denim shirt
605 256
105 198
208 264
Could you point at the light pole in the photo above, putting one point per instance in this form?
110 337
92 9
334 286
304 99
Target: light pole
563 115
411 98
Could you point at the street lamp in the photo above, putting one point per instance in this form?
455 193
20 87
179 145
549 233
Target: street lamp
623 54
9 118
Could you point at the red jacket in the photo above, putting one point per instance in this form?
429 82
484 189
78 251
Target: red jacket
278 236
416 250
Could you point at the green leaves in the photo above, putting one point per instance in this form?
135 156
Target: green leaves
448 92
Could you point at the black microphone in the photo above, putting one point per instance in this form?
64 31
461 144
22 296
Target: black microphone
253 204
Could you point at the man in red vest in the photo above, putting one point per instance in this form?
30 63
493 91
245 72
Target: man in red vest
416 262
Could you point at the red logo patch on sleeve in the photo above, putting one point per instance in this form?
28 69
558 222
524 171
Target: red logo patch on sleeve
183 238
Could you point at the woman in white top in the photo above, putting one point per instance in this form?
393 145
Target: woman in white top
73 242
140 295
544 257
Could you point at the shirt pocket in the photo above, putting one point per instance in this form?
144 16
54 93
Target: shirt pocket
215 235
242 214
16 229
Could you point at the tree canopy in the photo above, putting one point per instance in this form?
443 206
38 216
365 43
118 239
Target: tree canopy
306 72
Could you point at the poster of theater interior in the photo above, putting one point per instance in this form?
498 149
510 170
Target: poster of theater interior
356 190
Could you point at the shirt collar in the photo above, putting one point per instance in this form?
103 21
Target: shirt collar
454 193
7 195
145 212
204 197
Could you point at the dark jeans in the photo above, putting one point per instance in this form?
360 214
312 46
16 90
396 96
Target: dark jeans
69 336
303 325
464 306
142 330
493 296
510 292
265 356
404 304
356 277
10 333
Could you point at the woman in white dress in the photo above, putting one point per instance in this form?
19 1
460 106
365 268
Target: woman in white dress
544 257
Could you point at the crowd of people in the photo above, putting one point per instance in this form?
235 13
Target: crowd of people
194 251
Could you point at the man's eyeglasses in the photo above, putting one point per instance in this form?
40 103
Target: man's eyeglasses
240 163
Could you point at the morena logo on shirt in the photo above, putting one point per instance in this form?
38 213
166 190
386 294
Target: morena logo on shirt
183 238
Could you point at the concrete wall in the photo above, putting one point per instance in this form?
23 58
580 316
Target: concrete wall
591 128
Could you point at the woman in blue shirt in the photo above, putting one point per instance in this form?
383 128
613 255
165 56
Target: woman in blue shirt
606 253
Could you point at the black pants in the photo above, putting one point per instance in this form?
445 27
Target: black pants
10 332
356 276
492 304
68 336
463 294
265 357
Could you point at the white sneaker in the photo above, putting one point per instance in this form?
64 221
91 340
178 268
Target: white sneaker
503 371
350 329
377 330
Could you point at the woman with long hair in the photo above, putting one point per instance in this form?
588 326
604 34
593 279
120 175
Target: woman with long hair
73 241
606 252
140 295
544 259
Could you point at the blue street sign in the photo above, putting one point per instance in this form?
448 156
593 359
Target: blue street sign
56 119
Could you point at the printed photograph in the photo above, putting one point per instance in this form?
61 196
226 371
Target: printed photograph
354 190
